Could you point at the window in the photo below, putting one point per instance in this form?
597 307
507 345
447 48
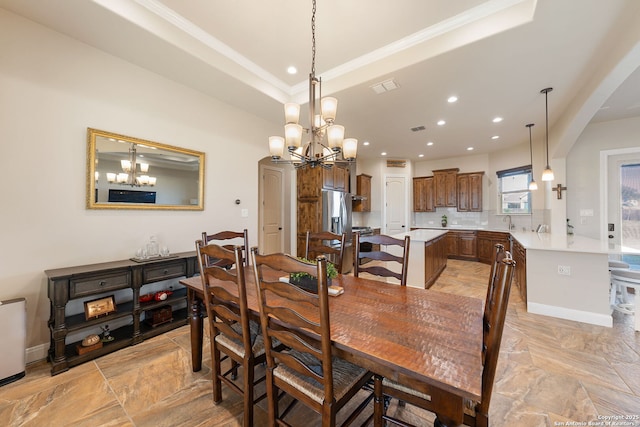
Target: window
514 196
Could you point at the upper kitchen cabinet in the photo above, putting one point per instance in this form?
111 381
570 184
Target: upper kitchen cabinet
445 183
423 194
362 203
336 178
469 189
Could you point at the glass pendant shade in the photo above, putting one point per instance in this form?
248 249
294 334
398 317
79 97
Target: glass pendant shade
276 146
329 108
547 174
111 177
144 167
293 135
349 148
335 136
291 112
126 165
533 185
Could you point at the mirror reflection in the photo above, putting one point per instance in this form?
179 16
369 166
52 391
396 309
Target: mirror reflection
131 173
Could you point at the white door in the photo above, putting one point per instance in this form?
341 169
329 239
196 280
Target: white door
272 210
395 205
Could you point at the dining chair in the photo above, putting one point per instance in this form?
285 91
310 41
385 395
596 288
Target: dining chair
326 243
378 255
222 236
426 396
306 368
232 333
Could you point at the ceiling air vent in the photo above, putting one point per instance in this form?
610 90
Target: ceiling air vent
417 129
384 86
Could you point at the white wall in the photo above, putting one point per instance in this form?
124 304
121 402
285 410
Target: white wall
583 170
52 88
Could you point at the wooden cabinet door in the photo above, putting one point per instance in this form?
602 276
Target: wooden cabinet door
310 182
475 192
467 245
429 195
340 178
363 188
445 184
419 193
485 253
463 192
452 244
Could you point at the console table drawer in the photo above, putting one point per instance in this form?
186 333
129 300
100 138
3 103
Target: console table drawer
164 272
96 284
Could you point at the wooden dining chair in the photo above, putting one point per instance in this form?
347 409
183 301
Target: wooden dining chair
306 368
326 243
232 333
237 237
426 396
378 255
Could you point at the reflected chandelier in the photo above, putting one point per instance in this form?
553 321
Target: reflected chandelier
315 152
129 174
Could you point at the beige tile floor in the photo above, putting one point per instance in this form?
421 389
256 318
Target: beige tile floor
551 372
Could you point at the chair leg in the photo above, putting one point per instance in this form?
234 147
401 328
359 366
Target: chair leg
378 401
272 397
216 372
248 394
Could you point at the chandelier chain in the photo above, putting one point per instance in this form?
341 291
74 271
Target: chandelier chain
313 39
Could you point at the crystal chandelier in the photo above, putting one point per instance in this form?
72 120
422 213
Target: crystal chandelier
315 152
129 174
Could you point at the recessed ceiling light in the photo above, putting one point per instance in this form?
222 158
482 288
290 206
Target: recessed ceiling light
420 155
495 137
429 143
441 122
452 99
469 148
292 70
365 143
384 153
497 120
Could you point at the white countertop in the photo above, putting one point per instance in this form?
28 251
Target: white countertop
568 243
456 227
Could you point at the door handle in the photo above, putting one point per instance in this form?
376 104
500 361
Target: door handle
403 226
279 228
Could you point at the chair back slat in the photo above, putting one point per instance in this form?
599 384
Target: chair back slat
326 243
381 256
240 237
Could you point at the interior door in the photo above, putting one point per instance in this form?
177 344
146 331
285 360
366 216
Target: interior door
395 205
272 212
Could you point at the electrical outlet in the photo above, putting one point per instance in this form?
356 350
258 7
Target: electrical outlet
564 270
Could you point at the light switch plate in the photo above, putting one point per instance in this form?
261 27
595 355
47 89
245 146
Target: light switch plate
244 213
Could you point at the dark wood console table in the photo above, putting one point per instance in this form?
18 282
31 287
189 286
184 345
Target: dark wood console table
94 281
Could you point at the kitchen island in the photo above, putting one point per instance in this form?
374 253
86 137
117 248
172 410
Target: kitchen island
427 256
567 276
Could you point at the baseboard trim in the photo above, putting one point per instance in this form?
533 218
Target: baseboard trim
37 353
570 314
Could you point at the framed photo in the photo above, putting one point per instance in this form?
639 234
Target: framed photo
99 307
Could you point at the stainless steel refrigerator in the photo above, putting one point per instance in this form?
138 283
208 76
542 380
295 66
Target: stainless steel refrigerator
336 218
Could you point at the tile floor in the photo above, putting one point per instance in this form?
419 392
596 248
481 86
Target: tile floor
551 372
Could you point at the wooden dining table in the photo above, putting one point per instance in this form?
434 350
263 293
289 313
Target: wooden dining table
399 332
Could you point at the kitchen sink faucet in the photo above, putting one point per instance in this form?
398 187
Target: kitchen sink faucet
504 219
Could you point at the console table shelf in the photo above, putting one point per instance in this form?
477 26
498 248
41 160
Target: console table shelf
88 282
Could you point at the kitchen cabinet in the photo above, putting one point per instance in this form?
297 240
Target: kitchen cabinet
462 245
335 178
486 241
423 194
519 254
70 288
469 191
445 186
363 191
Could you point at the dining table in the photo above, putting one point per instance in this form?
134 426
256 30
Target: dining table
401 333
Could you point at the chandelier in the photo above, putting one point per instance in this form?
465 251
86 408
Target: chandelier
315 152
129 174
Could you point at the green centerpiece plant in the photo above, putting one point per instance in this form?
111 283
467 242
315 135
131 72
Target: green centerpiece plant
309 282
444 220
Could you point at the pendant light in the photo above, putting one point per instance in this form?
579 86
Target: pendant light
532 185
547 175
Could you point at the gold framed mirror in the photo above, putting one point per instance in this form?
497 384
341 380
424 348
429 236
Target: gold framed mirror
124 172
